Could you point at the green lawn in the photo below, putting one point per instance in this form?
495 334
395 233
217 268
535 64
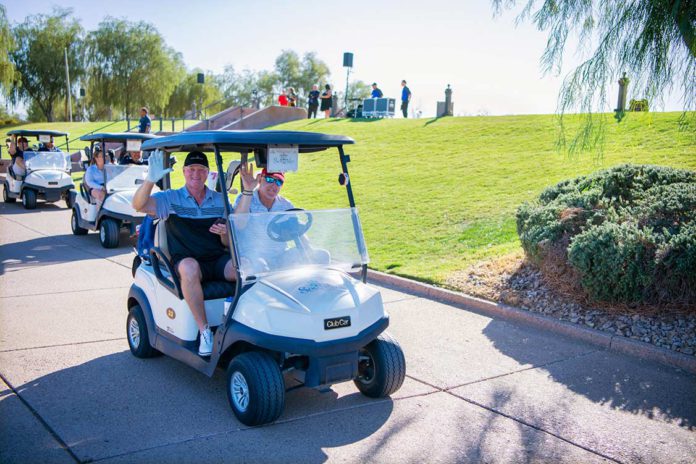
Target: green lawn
438 195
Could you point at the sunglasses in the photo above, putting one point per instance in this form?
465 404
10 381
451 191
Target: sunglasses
270 180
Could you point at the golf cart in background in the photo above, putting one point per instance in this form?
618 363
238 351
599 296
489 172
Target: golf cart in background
47 174
120 182
300 305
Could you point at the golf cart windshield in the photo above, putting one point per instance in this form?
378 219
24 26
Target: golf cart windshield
272 242
46 160
126 177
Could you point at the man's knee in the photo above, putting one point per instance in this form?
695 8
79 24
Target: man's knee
189 269
229 272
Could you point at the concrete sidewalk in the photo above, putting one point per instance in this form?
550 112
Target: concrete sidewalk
478 388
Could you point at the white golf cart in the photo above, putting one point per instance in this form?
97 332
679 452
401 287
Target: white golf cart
47 174
300 306
120 182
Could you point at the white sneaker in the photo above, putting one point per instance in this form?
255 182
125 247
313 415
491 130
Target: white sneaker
206 346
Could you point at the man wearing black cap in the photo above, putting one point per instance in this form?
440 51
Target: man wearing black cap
195 239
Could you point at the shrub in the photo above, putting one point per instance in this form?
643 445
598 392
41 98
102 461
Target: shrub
628 233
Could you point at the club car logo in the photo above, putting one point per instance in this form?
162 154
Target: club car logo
336 322
170 313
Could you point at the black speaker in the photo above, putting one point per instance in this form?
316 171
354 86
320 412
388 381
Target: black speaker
347 60
201 78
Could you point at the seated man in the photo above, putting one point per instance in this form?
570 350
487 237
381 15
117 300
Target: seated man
48 146
17 154
197 242
132 157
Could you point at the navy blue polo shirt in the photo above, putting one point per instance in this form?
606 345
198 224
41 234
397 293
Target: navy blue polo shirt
144 123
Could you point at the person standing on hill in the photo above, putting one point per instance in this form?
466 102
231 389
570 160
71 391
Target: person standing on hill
313 102
376 92
283 98
292 97
326 101
145 123
405 98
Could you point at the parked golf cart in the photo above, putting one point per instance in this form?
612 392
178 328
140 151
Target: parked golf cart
47 174
300 305
120 183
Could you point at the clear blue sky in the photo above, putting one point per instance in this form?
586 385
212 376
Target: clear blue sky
491 64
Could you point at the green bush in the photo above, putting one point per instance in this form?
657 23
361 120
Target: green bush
627 232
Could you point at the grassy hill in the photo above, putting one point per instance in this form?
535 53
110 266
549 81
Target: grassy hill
438 195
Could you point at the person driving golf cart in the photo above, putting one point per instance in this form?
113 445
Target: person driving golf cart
49 146
132 157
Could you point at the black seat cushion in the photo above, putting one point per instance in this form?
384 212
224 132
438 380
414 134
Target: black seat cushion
214 289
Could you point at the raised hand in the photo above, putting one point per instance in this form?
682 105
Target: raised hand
155 167
249 180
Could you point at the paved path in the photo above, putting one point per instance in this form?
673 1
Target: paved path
478 389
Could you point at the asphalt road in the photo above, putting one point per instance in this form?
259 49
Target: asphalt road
478 389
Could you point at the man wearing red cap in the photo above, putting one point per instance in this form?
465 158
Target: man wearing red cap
265 198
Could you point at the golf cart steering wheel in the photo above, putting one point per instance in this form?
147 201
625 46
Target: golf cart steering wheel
284 227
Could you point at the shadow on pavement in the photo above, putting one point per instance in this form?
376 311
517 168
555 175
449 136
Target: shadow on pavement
622 382
58 249
117 404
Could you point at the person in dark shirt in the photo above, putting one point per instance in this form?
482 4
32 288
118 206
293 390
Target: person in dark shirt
49 146
313 102
145 123
132 157
16 151
376 93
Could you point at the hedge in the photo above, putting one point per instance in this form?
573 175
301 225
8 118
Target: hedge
627 233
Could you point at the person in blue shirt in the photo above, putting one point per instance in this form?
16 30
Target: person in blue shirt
376 93
145 122
49 146
405 98
94 176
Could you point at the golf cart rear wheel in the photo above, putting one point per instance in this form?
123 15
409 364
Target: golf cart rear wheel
75 225
136 332
29 199
68 200
381 368
108 233
5 197
255 388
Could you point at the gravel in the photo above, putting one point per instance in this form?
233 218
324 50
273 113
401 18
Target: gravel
523 286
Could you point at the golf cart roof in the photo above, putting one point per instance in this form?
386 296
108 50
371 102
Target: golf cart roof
37 132
117 136
239 141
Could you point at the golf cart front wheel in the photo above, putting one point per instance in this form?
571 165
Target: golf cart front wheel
5 197
381 367
108 233
136 332
75 224
255 388
29 199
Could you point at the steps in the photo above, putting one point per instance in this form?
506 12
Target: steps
240 118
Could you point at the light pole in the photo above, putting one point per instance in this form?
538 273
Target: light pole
67 77
201 80
348 64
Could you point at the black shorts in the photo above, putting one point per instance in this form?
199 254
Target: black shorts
211 269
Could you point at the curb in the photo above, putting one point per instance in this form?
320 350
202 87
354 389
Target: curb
598 338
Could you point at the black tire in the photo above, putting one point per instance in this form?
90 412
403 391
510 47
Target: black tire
108 233
75 225
136 333
382 367
5 197
29 199
136 264
68 200
255 388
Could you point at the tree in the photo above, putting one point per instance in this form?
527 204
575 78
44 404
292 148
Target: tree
654 41
7 45
39 60
189 93
131 66
300 74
